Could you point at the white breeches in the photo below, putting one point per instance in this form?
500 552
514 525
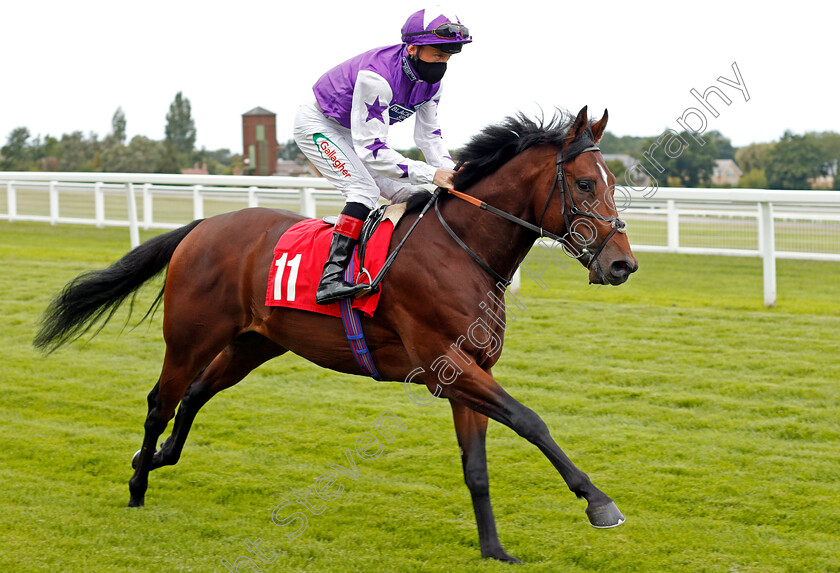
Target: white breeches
329 146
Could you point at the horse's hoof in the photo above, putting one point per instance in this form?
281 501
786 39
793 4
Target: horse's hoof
604 516
501 555
135 502
134 459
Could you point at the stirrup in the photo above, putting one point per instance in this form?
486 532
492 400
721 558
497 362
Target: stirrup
369 289
332 297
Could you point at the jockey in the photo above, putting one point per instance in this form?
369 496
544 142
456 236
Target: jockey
344 132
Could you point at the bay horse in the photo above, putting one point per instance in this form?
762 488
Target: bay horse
530 177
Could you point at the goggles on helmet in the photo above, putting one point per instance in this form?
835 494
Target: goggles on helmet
448 31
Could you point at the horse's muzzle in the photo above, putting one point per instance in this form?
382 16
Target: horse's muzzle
621 270
617 273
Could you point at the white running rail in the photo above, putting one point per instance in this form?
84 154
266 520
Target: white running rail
738 222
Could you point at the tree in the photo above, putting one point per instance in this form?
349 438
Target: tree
78 153
51 147
142 155
219 162
829 143
118 126
722 144
16 153
631 145
616 166
753 179
291 152
167 161
753 157
673 155
48 154
413 153
180 127
794 161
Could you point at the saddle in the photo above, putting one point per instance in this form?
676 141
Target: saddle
299 259
300 253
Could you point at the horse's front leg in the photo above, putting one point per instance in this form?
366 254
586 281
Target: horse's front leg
477 390
471 428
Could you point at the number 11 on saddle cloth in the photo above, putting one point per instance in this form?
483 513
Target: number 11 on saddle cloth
299 261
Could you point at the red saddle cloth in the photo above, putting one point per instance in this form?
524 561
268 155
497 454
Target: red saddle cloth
299 261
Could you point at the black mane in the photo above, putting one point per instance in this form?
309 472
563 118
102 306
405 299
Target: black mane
497 144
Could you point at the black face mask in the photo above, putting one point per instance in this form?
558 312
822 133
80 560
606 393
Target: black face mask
428 71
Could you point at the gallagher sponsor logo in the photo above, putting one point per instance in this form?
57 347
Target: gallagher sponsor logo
332 154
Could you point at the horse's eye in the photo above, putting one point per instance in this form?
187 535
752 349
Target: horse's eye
584 186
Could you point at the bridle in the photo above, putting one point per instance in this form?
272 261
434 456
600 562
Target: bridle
577 147
616 224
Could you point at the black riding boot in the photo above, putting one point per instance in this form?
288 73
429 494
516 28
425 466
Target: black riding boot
333 287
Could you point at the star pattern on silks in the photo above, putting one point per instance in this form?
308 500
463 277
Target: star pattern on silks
376 146
438 133
405 170
375 110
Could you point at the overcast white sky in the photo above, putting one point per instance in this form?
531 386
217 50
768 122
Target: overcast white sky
68 65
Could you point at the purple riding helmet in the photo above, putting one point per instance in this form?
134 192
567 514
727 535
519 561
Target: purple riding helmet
438 28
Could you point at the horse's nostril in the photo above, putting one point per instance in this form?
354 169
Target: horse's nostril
622 268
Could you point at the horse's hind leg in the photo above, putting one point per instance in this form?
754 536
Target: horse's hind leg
181 365
241 356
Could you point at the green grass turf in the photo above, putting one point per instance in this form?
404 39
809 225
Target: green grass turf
713 422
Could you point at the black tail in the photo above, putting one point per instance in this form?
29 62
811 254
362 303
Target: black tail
97 294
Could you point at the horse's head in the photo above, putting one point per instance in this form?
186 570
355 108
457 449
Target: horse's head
582 207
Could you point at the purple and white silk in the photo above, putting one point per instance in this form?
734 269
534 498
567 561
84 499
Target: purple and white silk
330 148
361 98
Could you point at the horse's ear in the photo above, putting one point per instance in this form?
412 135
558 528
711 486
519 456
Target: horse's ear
580 124
599 127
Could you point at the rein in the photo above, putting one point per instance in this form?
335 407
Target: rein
618 226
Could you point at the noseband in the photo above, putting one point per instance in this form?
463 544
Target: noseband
576 148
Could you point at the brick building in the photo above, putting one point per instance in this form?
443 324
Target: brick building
259 141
